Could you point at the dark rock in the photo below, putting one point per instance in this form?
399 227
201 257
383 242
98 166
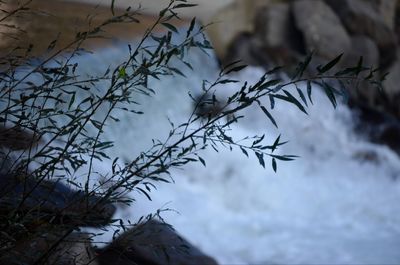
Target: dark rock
16 138
51 246
379 126
362 46
274 27
322 30
51 201
390 136
392 82
360 18
207 107
152 243
397 22
246 48
76 249
387 10
251 51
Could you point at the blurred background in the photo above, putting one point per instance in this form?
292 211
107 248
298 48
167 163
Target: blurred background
339 202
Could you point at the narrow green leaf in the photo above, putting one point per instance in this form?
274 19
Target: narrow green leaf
112 7
274 166
191 27
236 69
170 27
344 92
52 45
71 101
260 157
309 91
274 70
329 65
184 5
329 91
302 66
291 99
202 161
383 77
226 81
276 143
269 116
122 72
229 65
144 192
270 83
303 98
244 151
177 71
272 101
284 158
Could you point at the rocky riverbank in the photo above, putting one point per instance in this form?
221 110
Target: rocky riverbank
46 21
269 33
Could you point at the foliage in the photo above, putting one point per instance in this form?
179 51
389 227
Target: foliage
51 100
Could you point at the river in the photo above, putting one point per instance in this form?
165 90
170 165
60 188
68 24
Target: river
338 203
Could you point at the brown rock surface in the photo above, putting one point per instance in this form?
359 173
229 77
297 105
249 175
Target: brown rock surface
46 21
365 47
152 243
360 17
387 9
322 29
274 26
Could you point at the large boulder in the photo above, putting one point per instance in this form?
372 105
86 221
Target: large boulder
387 10
379 126
363 18
275 31
392 82
51 202
50 245
272 42
392 90
273 25
230 21
245 48
152 243
322 30
367 48
362 46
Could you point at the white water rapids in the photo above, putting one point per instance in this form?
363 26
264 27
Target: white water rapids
330 206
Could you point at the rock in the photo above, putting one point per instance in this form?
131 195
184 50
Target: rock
397 21
152 243
367 48
226 25
271 25
391 84
246 48
390 136
274 26
251 51
16 138
387 10
392 90
51 202
322 30
44 247
231 21
379 126
360 18
76 249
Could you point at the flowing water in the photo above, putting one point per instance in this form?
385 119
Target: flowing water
339 203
